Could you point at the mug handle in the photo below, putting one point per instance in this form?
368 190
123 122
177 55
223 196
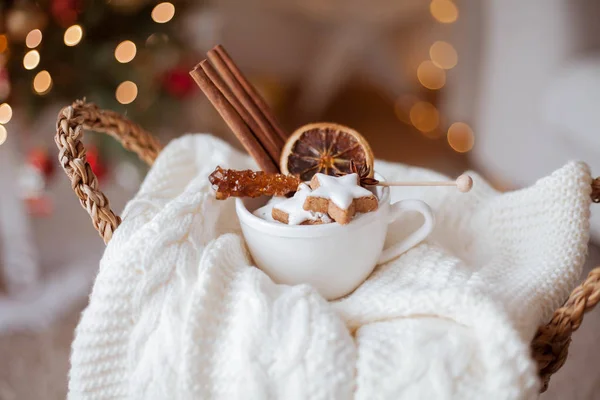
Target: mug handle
414 238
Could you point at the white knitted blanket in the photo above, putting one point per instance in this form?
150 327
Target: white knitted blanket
179 312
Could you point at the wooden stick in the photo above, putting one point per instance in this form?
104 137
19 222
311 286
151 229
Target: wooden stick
463 183
273 150
234 121
251 91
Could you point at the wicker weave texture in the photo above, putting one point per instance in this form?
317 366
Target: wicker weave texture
72 121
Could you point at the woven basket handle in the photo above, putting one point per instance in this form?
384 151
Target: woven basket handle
550 345
71 123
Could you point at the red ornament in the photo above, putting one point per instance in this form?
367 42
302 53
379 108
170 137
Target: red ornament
40 159
178 83
65 12
93 158
33 179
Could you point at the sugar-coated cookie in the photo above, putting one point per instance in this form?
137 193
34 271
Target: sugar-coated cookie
290 211
339 197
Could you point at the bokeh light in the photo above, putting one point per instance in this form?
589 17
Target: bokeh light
73 35
42 83
5 113
3 43
33 39
163 12
461 137
126 92
125 51
443 55
31 59
3 135
424 116
444 11
431 76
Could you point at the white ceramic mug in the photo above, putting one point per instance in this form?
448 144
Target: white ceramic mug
335 259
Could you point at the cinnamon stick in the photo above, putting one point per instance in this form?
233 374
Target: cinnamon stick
251 91
266 134
273 149
234 121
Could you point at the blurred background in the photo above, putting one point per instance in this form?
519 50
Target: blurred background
508 88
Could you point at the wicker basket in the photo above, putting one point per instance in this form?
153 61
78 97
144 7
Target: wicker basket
549 347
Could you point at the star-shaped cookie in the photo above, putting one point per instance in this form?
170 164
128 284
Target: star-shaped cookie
290 211
341 197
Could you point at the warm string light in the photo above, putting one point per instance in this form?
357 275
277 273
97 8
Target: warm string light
443 55
163 12
431 76
3 43
127 92
3 134
33 39
424 116
5 113
31 59
444 11
42 83
461 137
125 51
73 35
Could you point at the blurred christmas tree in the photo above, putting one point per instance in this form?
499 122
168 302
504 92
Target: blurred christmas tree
125 55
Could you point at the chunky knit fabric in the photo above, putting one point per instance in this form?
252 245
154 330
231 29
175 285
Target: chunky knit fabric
179 312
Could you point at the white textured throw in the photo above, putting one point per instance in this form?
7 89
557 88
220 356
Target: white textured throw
178 311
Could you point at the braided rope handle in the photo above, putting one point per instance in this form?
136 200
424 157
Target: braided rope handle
71 123
550 345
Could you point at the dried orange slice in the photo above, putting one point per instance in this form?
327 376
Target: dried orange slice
326 148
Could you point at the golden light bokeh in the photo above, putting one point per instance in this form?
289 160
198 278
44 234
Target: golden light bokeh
3 43
125 51
444 11
31 59
5 113
126 92
163 12
42 83
73 35
33 39
431 76
461 137
3 135
424 116
443 55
